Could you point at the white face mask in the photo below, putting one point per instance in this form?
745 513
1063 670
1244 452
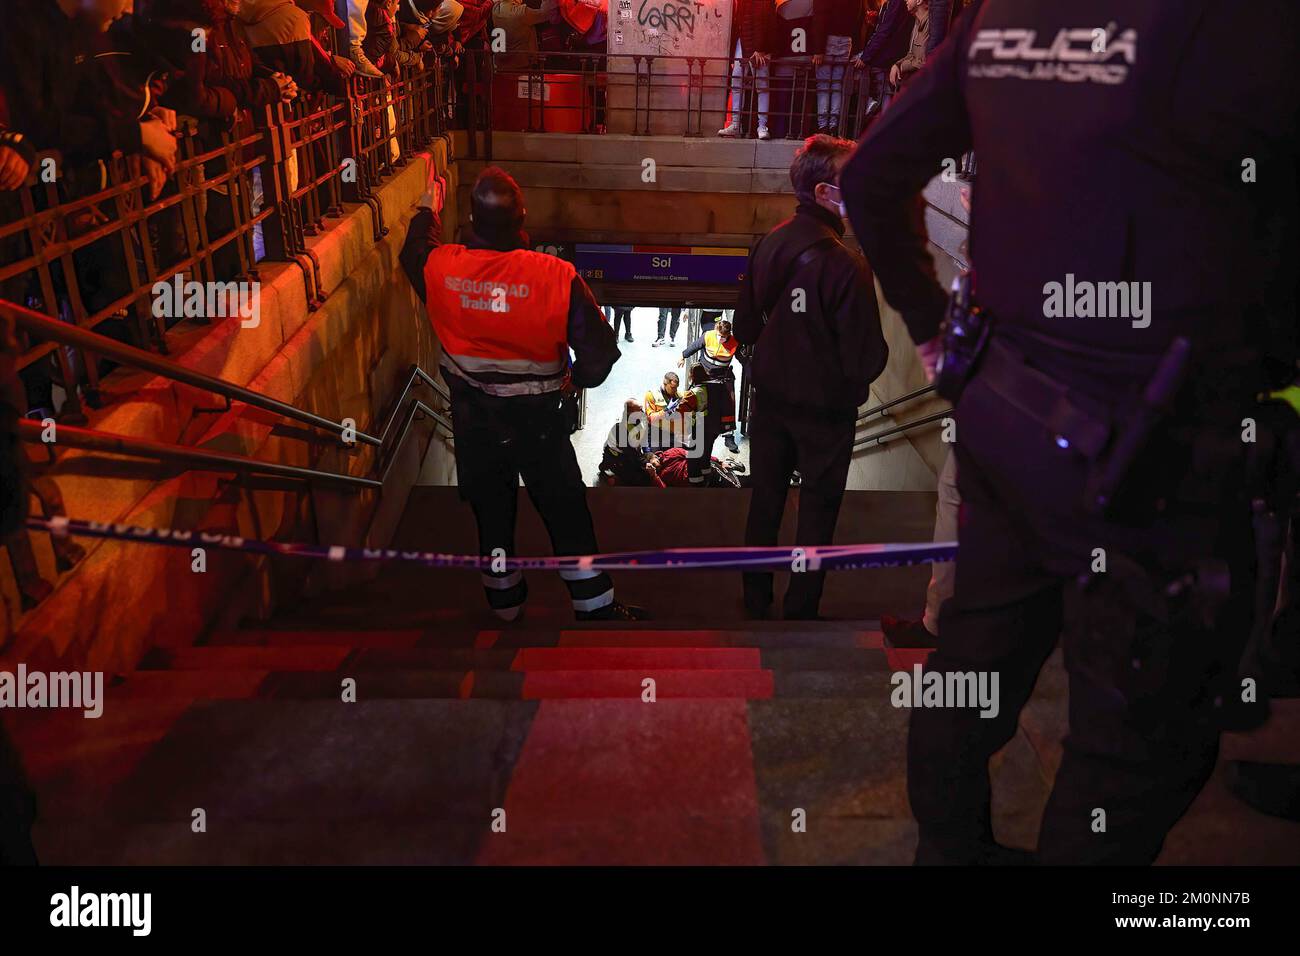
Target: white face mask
843 209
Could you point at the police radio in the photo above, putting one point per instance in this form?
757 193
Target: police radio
965 332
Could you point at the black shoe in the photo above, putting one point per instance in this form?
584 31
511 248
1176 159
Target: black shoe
617 611
900 632
731 445
627 338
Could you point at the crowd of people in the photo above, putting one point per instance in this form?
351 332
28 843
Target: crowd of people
889 40
668 437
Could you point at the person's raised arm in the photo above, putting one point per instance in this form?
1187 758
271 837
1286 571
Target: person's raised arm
595 347
424 233
883 180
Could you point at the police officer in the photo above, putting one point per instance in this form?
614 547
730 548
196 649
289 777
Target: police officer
1100 452
506 318
716 349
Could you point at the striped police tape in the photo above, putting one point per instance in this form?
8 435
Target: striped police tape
839 557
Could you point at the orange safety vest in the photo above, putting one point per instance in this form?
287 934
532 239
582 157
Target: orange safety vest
717 353
655 401
502 318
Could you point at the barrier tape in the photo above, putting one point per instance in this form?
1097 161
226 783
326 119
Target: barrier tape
839 557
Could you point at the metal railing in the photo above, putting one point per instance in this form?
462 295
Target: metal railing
190 458
251 473
88 247
893 403
201 459
666 95
62 333
881 436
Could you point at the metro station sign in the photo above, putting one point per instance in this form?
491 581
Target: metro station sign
713 265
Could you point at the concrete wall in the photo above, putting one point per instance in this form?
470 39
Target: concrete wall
347 359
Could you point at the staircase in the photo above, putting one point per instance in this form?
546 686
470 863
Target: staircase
535 743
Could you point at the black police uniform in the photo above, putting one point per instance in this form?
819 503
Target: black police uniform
1124 162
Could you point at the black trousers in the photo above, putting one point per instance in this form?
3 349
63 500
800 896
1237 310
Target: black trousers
819 449
676 316
622 316
1143 670
17 808
500 440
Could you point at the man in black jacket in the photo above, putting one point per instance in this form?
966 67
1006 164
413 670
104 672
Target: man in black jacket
40 53
1122 160
886 46
814 360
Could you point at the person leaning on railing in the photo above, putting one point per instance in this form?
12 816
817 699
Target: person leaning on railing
223 86
753 38
381 45
215 82
910 65
39 55
280 35
886 45
518 21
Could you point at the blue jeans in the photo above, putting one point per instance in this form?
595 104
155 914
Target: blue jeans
738 90
830 80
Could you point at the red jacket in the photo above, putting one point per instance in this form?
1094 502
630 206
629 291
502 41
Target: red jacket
477 13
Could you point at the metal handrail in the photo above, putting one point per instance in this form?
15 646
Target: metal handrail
51 329
641 75
899 429
89 439
880 409
201 459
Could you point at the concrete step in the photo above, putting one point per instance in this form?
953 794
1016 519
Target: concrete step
196 687
246 637
328 657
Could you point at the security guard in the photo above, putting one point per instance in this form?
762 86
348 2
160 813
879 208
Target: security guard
716 349
1100 450
506 318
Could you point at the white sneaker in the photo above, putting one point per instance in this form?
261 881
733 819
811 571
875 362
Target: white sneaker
730 131
763 133
656 343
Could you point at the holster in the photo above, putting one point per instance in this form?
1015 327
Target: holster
965 332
